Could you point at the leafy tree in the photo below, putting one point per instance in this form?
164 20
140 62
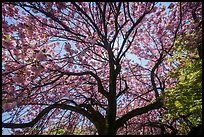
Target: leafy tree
97 66
184 100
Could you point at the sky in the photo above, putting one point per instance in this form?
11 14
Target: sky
143 62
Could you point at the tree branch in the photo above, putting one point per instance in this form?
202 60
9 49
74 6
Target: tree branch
129 32
159 61
124 90
66 28
88 17
162 125
138 111
100 86
44 112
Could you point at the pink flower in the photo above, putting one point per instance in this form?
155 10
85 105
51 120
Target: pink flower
36 70
8 106
93 41
67 47
171 6
40 56
169 27
158 13
155 9
19 79
26 82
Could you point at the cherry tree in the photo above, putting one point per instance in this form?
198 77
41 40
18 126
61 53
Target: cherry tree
95 66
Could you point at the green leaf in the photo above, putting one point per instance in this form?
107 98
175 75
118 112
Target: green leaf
178 104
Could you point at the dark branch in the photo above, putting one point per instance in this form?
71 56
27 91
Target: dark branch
44 112
129 32
162 125
138 111
159 61
88 17
124 90
100 86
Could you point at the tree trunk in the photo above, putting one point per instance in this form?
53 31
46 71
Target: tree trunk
107 129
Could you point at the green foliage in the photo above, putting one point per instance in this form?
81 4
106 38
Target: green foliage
65 131
58 131
184 101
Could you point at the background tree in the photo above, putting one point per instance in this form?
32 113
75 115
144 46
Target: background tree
184 101
96 64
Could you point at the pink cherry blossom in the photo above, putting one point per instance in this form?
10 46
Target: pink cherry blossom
67 47
8 106
41 56
92 63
